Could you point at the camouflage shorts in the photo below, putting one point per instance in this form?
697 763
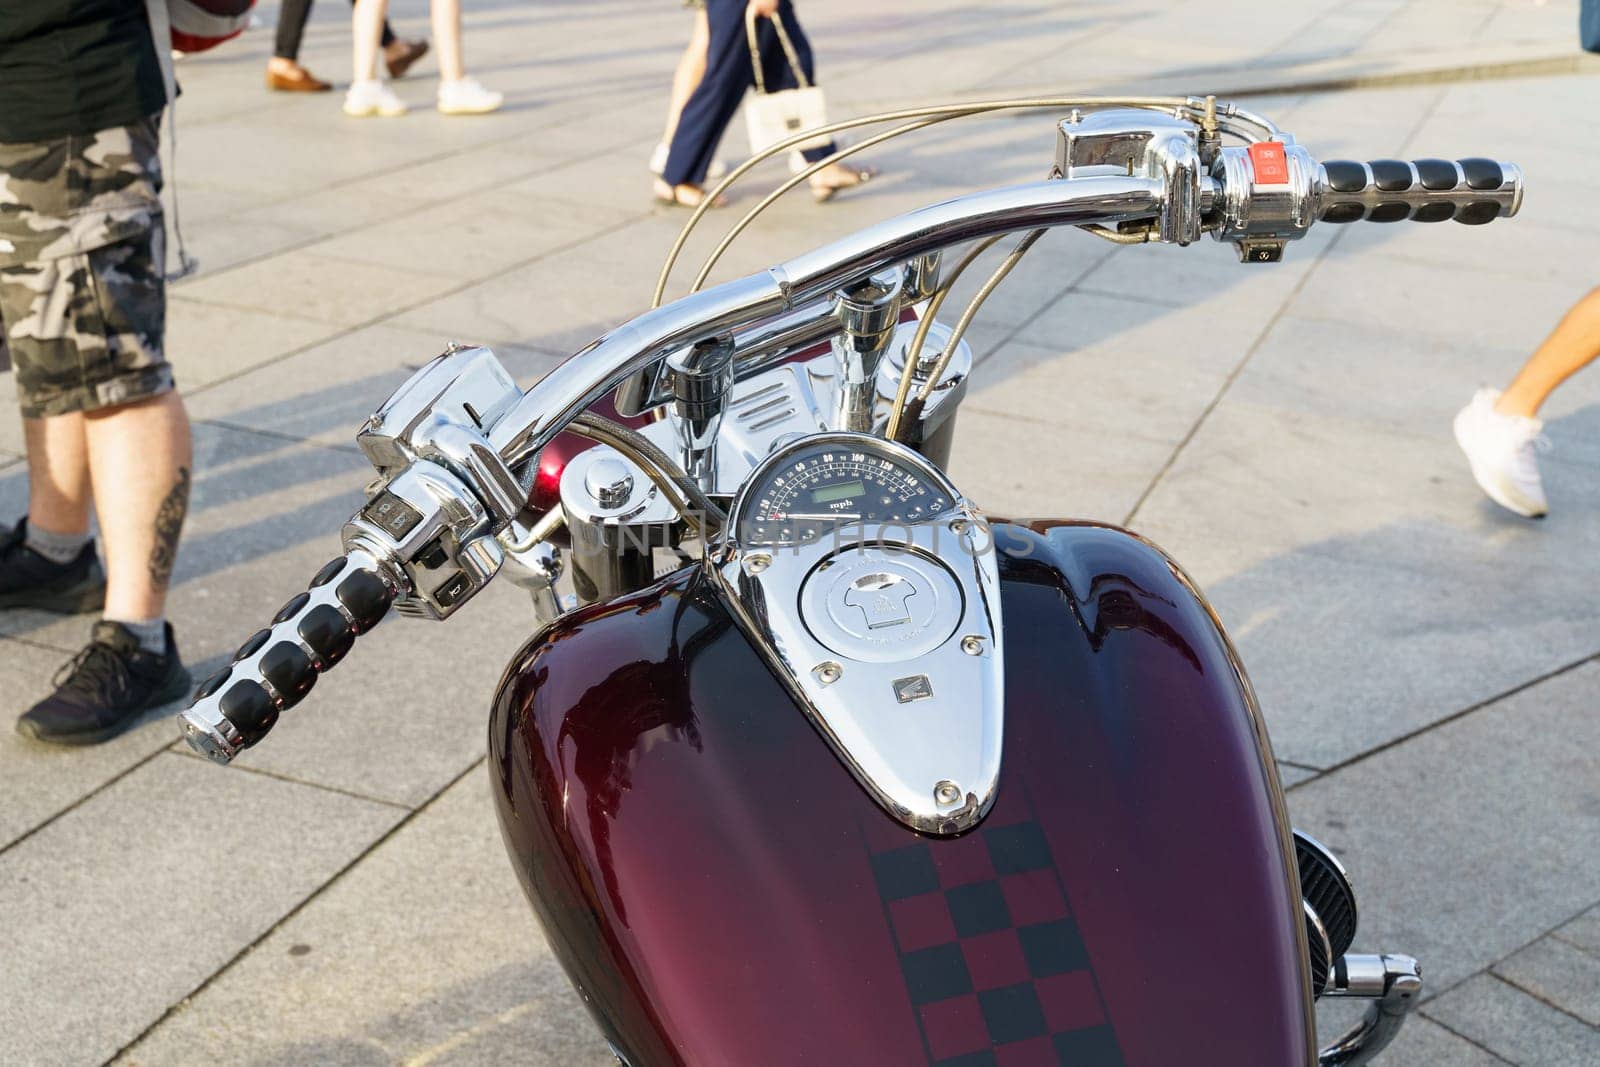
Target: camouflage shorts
82 279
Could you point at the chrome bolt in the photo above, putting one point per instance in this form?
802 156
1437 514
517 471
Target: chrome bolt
947 793
972 645
958 526
758 563
827 673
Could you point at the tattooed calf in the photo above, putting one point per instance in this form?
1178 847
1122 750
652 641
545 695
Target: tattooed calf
169 523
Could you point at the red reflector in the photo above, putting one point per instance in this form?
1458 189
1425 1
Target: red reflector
1271 163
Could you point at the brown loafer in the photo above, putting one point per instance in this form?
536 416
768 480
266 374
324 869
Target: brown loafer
296 80
399 55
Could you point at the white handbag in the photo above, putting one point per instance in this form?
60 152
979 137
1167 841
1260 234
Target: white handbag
773 117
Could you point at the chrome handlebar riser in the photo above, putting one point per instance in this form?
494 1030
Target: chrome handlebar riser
700 379
868 314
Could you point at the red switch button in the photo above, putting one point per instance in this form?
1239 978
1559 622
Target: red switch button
1270 162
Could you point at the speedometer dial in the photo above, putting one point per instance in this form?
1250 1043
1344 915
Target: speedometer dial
831 486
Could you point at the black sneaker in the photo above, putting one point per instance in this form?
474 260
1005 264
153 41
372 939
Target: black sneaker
28 580
105 688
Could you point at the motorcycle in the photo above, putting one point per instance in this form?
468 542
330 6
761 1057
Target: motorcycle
818 762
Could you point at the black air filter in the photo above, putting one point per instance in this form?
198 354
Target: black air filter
1326 890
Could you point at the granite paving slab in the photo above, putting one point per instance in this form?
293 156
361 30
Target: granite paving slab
1264 505
559 303
1026 469
122 907
1424 1043
322 288
427 954
1584 931
1406 298
325 393
1455 859
1557 973
207 344
1357 374
476 235
1116 364
1516 1026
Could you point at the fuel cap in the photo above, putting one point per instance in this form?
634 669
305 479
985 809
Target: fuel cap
879 606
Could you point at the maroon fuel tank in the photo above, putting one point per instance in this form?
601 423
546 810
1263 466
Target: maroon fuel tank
722 891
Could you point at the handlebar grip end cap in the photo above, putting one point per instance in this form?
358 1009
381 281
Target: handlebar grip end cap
210 734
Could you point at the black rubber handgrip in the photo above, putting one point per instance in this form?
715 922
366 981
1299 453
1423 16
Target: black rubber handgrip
1470 191
275 668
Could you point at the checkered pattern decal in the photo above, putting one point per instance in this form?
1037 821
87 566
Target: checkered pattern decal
993 962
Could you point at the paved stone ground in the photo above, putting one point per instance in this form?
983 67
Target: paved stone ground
1428 664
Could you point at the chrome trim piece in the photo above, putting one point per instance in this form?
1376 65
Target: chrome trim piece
1338 865
1394 986
916 718
1314 926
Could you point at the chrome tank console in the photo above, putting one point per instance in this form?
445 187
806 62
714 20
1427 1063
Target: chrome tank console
870 584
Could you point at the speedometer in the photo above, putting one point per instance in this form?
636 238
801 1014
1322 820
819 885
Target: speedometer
836 482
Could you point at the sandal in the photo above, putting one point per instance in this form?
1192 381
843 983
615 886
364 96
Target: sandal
824 193
689 196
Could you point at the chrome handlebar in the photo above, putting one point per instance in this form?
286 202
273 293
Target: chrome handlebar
454 446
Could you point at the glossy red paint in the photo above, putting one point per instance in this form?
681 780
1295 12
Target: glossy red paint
722 891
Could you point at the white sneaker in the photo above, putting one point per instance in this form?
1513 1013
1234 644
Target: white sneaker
368 98
466 96
1501 450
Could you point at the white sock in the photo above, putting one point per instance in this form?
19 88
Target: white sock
55 547
152 633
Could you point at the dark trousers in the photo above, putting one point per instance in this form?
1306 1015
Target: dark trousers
729 75
292 18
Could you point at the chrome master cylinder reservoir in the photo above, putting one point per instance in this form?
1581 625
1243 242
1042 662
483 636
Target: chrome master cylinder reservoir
616 517
932 433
